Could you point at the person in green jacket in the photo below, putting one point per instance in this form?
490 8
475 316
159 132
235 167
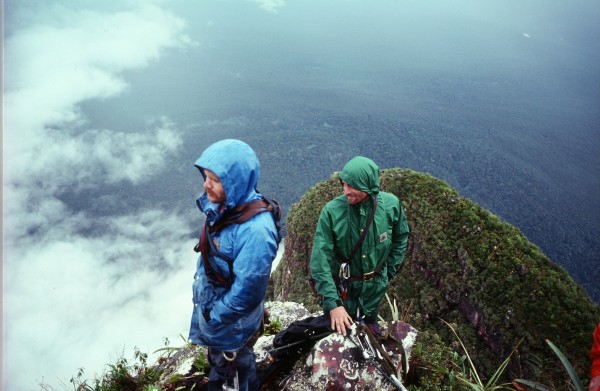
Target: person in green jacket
353 285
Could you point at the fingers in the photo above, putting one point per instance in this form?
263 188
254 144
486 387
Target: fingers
346 322
341 327
340 320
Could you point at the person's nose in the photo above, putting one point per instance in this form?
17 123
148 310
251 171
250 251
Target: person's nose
346 189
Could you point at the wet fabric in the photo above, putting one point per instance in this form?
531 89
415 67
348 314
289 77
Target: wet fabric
339 228
227 317
301 335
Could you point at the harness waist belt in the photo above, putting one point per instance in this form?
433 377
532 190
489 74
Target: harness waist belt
363 277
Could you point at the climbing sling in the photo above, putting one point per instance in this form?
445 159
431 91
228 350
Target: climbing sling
345 275
237 215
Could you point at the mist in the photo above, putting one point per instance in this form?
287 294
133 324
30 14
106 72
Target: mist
107 106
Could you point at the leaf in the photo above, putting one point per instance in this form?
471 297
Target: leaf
535 385
567 364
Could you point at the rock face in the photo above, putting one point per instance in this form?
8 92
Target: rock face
334 362
337 363
463 265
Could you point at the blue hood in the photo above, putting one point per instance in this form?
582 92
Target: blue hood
226 317
238 169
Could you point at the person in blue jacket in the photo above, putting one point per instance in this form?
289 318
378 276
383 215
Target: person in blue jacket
234 266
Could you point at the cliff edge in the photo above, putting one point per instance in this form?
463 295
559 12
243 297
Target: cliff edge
465 266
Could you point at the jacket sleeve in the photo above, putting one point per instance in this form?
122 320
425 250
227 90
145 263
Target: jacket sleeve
255 249
400 233
595 352
321 261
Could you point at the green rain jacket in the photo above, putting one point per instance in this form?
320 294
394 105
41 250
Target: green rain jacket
338 230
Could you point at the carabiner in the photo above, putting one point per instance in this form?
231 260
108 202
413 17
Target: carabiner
344 271
230 359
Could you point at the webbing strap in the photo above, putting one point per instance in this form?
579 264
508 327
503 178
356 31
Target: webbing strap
241 214
205 246
211 274
365 231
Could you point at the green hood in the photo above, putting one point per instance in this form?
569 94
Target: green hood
362 174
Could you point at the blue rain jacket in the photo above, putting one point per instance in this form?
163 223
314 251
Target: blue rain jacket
225 318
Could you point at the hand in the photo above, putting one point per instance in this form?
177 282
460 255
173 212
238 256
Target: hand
595 383
340 320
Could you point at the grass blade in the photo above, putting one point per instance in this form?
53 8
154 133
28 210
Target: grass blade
567 364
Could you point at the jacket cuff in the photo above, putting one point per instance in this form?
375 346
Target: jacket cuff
329 304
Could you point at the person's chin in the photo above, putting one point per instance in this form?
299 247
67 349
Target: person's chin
212 199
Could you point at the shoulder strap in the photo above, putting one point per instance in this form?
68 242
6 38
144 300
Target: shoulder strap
238 215
241 214
365 230
206 247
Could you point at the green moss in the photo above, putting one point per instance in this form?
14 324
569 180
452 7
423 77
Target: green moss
466 266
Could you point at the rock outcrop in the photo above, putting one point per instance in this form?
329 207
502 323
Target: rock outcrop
463 265
333 363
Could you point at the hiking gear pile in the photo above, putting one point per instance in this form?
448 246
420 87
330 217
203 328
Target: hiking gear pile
332 354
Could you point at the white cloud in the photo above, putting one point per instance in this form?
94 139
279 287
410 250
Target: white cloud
72 300
75 302
270 5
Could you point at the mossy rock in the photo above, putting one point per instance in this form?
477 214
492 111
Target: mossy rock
463 265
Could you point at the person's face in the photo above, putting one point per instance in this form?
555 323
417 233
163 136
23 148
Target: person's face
354 196
213 187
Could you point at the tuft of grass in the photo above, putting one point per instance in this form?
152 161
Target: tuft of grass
201 364
122 376
273 327
394 313
575 381
472 380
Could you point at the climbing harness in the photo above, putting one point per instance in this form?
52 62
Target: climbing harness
236 379
240 214
344 276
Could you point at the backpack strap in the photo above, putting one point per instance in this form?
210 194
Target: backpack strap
344 275
241 213
364 232
206 247
237 215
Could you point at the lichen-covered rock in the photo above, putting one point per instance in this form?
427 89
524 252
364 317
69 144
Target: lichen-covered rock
286 312
183 368
337 363
334 363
